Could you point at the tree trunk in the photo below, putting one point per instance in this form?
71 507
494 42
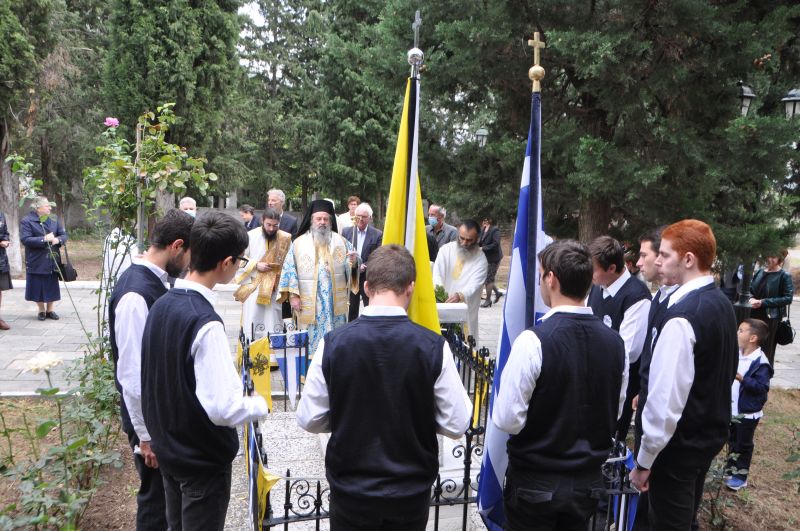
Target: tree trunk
9 202
164 201
594 216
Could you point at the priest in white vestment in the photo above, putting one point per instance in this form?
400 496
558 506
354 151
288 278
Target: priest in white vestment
319 273
258 280
461 268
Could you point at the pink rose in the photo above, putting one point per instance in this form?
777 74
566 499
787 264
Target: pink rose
111 122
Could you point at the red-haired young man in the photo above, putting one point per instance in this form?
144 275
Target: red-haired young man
687 409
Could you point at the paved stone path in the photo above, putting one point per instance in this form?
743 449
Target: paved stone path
287 445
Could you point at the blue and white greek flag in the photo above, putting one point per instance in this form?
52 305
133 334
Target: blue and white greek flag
523 307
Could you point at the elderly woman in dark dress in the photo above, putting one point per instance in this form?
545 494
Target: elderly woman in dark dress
42 237
5 270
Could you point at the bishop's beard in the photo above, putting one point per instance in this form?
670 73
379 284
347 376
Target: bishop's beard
321 236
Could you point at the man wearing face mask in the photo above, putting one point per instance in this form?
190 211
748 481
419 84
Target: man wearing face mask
258 279
136 291
461 269
317 275
188 205
443 232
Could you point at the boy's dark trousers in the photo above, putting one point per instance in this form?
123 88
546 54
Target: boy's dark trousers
199 501
740 441
538 501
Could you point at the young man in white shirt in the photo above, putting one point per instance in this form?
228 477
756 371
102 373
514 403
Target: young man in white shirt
384 387
561 395
687 406
192 396
135 292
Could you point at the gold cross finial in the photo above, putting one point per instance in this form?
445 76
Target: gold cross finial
536 72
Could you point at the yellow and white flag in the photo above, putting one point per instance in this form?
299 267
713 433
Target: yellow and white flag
405 223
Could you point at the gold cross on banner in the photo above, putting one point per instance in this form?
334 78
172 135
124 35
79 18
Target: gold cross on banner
536 72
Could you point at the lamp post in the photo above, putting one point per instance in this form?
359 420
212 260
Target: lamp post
791 102
746 96
742 306
481 135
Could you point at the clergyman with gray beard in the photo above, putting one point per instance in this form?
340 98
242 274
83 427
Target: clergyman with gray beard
319 273
461 269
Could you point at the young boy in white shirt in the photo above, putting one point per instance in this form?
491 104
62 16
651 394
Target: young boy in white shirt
748 396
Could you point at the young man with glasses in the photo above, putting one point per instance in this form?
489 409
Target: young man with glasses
192 396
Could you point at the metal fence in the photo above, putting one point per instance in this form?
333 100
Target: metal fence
308 499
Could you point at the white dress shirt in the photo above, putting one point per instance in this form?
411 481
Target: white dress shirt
671 378
130 316
218 385
510 410
633 328
453 407
361 235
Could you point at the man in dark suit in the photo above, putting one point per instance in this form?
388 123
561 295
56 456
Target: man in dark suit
365 238
288 223
249 217
490 245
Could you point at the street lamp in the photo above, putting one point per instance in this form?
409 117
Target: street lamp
792 102
481 135
746 96
742 305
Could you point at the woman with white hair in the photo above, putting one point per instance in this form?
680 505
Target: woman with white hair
42 237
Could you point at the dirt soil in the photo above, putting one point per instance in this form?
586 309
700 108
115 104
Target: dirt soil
769 502
113 507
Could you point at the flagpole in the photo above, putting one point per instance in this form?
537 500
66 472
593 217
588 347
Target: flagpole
523 302
536 74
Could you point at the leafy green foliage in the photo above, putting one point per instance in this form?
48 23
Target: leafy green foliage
113 186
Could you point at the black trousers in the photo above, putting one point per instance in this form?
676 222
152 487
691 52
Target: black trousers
355 300
545 501
740 442
151 507
634 384
199 501
674 496
349 513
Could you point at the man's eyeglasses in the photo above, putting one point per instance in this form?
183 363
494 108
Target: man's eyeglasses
242 259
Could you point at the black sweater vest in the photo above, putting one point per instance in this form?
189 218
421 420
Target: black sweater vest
703 426
140 280
380 372
612 309
183 437
573 410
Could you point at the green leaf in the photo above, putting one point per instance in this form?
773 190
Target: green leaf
44 428
78 443
50 391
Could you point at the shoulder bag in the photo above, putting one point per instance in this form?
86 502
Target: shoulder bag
784 334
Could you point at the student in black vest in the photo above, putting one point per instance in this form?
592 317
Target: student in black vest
192 395
622 301
649 244
384 387
561 395
136 291
687 409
